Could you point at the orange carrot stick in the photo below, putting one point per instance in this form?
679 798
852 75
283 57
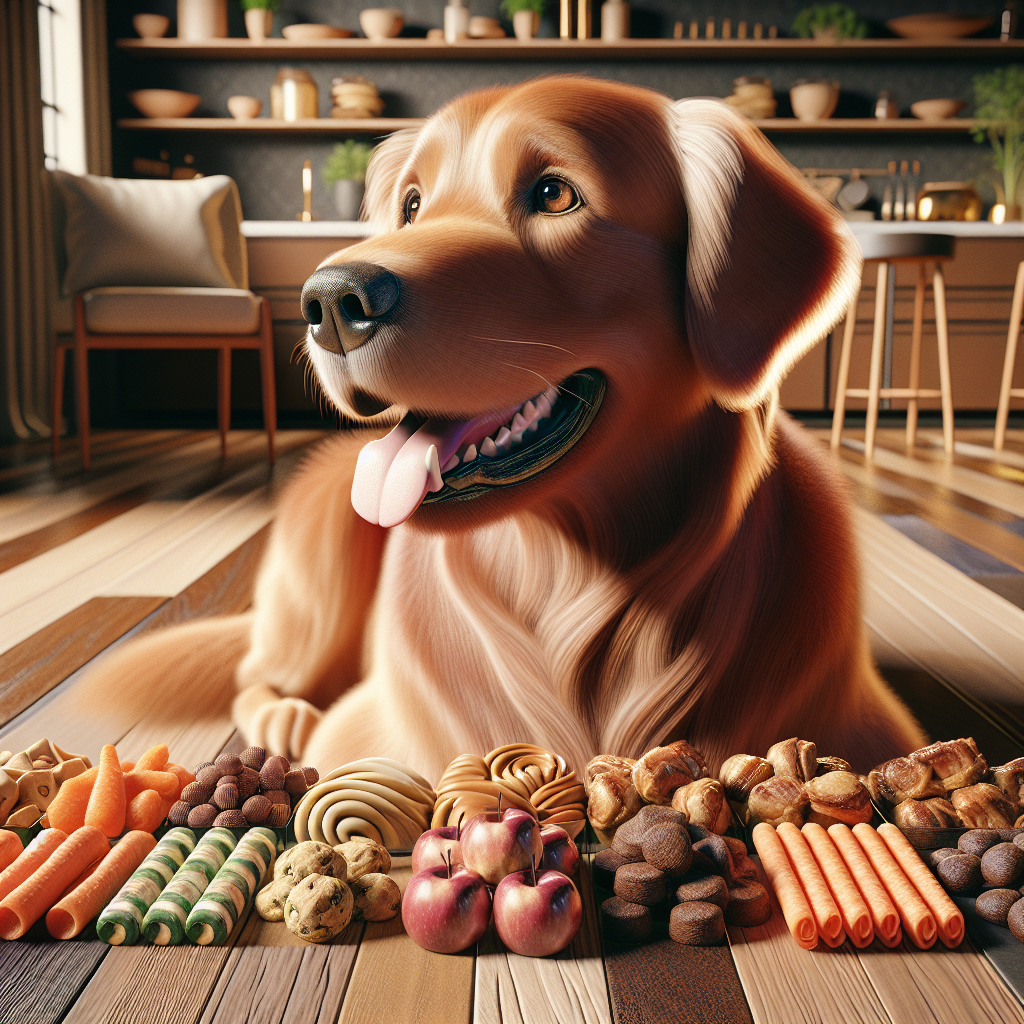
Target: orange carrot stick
947 914
787 888
918 920
127 766
153 760
23 907
165 783
10 848
145 811
29 859
185 777
826 913
856 916
106 801
76 910
67 809
883 914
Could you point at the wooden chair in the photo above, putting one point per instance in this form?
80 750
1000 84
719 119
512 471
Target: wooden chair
1006 390
886 251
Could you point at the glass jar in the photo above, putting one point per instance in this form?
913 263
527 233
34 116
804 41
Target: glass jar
294 96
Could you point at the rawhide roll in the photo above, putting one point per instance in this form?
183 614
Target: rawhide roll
375 797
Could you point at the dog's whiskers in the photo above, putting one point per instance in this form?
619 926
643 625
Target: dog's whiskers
514 341
557 387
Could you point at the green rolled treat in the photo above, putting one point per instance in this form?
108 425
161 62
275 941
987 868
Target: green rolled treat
120 923
164 923
233 891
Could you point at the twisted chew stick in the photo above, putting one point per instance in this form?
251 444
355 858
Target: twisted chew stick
883 914
121 921
29 859
826 913
787 888
856 916
917 919
947 914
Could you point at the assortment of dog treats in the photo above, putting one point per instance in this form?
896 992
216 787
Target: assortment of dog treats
31 779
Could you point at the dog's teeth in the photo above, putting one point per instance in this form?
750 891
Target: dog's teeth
517 438
433 469
529 412
470 454
488 448
551 395
450 464
518 424
502 440
543 407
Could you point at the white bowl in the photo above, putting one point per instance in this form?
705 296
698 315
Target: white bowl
813 101
151 26
244 108
936 110
380 23
164 102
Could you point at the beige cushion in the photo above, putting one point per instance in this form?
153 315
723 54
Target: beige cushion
171 311
123 231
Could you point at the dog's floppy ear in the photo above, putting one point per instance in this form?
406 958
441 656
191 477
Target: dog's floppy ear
386 163
770 267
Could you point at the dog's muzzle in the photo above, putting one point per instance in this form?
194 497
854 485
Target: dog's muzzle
344 305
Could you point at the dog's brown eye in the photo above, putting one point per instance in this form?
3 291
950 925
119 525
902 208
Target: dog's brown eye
555 195
412 206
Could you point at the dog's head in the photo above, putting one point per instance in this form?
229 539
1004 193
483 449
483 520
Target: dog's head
566 272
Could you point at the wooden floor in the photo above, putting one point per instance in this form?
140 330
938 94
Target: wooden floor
163 530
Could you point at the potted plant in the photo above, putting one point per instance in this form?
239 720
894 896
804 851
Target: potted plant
829 21
259 18
345 172
999 105
525 16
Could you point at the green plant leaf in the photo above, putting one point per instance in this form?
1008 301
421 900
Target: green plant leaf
348 162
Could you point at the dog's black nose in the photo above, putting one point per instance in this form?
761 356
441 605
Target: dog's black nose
345 304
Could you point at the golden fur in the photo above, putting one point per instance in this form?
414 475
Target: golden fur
687 569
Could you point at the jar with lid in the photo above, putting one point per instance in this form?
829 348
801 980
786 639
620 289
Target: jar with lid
294 96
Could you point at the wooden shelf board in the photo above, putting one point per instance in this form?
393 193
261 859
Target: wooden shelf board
580 49
866 124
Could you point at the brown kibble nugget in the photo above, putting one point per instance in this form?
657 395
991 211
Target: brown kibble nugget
960 874
179 812
231 819
226 796
606 863
295 783
711 889
209 776
995 904
272 774
641 883
1015 920
629 835
666 846
270 900
195 793
248 783
749 906
278 816
278 796
937 856
202 816
311 775
1002 864
1018 841
257 809
229 764
696 924
625 922
253 757
978 840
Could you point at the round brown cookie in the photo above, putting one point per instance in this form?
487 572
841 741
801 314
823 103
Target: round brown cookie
960 874
1002 864
1018 840
641 883
1015 920
978 840
625 922
626 844
696 924
995 904
629 835
1007 835
606 863
937 856
666 846
749 906
710 889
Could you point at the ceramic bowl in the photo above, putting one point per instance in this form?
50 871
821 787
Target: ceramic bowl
485 28
814 100
936 110
164 102
244 108
151 26
304 33
381 23
937 26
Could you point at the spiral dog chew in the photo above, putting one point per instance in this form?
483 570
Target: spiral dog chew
525 776
376 798
120 923
233 890
164 923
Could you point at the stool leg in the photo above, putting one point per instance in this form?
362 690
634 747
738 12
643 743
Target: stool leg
877 342
942 334
267 374
844 371
82 380
915 352
1017 310
57 395
224 397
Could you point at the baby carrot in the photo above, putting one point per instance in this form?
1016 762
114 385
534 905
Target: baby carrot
29 859
165 783
145 811
154 759
10 848
106 805
67 809
883 914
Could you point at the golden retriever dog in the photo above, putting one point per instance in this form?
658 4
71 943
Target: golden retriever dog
588 526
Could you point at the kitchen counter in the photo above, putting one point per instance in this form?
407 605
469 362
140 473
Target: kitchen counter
305 229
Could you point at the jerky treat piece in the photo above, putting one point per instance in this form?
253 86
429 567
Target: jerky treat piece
715 850
661 771
740 773
253 758
903 779
625 922
936 812
613 800
641 883
937 856
777 800
984 806
1015 920
703 802
605 763
605 864
956 763
794 759
749 906
179 812
377 897
666 846
711 889
961 873
228 764
696 924
311 858
364 857
832 764
202 816
977 841
995 904
840 796
270 900
1002 864
318 908
1009 778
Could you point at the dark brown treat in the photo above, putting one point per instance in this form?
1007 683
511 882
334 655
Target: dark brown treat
995 904
178 814
278 796
272 775
312 776
1007 835
295 782
1018 841
641 883
231 819
226 796
202 816
716 851
256 809
960 874
978 840
196 793
199 767
625 922
696 924
1015 920
697 832
936 856
606 863
749 906
648 816
278 816
228 780
1002 864
209 776
710 889
248 783
666 846
229 764
253 757
626 846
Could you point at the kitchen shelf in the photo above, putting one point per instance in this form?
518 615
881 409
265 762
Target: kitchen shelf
577 49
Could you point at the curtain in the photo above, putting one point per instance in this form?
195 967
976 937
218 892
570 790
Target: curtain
96 87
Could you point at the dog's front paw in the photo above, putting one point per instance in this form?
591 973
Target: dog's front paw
284 726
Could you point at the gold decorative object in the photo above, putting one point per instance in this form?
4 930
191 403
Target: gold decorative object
294 96
948 200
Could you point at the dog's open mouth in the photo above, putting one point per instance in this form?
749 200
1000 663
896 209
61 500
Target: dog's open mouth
431 460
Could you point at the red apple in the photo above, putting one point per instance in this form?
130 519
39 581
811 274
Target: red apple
446 910
496 846
433 848
560 853
537 914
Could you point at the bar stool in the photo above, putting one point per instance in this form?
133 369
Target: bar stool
887 250
1006 392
